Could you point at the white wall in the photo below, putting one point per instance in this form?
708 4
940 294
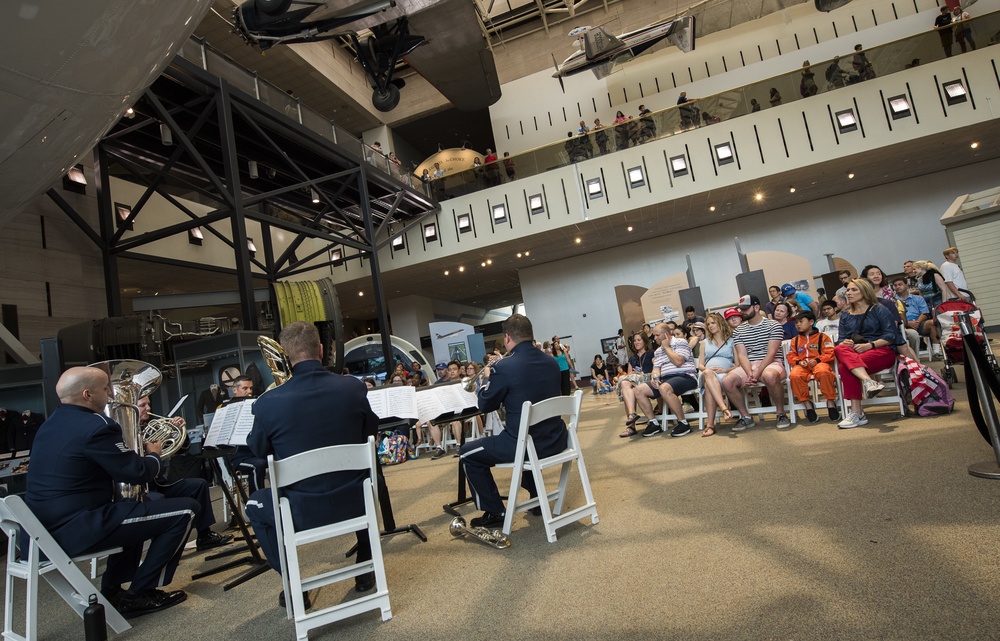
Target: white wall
884 225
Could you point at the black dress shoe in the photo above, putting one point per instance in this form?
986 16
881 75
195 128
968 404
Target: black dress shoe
305 600
113 594
213 540
135 605
489 520
535 511
364 582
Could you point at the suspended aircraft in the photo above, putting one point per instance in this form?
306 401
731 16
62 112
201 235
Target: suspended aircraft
601 52
456 60
68 72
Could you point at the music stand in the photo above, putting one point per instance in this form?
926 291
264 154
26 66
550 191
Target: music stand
254 558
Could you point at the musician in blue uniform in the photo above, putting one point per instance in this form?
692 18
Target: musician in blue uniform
77 457
313 409
253 468
525 374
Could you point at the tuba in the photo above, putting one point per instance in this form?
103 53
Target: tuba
493 538
130 380
276 358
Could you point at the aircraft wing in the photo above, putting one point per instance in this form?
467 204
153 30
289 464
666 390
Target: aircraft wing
455 58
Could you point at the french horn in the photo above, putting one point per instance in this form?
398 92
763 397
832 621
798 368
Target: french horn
493 538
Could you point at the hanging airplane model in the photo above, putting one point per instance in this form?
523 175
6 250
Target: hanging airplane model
600 51
456 60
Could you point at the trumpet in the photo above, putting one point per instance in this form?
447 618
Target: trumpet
493 538
470 383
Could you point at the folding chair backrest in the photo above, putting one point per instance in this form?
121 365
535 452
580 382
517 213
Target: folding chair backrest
335 458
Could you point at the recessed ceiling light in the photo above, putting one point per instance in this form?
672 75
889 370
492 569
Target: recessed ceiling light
461 269
527 253
482 264
974 145
519 254
489 261
791 190
446 272
630 227
578 241
758 196
850 175
361 293
711 208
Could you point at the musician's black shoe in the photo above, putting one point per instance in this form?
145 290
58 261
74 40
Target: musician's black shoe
113 594
535 511
135 605
213 540
489 520
364 582
305 600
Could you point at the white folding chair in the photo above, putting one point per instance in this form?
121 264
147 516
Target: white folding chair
526 460
58 569
699 414
293 469
888 376
751 393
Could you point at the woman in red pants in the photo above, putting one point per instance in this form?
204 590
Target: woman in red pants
868 344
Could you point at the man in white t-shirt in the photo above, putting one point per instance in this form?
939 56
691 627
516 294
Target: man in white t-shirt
952 273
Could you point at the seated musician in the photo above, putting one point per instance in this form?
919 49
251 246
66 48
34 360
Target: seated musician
172 486
78 455
253 468
313 409
526 374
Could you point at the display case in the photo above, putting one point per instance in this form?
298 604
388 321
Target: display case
21 391
220 360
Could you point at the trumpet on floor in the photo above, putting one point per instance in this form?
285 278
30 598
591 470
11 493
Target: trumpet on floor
493 538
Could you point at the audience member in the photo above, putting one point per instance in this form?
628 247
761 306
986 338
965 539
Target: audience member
845 277
599 376
809 355
963 33
830 320
640 365
774 97
863 69
868 340
932 286
715 361
783 316
691 317
953 276
756 342
919 321
942 24
673 374
805 301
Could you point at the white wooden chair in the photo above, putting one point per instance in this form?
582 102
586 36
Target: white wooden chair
699 414
58 569
527 460
293 469
888 378
751 393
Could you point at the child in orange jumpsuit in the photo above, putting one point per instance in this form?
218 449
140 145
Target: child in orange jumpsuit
810 355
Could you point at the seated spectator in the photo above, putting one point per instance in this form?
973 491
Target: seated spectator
697 337
673 374
640 365
805 301
883 289
868 339
830 320
599 376
714 362
845 277
775 293
774 97
809 355
757 343
709 119
690 317
932 285
734 318
918 318
783 315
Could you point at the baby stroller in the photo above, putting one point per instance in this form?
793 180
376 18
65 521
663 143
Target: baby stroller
946 315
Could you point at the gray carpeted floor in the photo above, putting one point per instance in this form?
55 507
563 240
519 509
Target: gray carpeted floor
814 533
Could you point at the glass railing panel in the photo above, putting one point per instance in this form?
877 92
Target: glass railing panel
223 67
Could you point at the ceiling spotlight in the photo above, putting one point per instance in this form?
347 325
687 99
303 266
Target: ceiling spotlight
361 293
578 240
482 264
630 227
252 168
850 175
519 254
974 145
130 113
711 208
791 190
758 196
527 253
315 196
446 272
461 269
166 137
489 261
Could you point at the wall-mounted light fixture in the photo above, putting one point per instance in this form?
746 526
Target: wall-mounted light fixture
195 236
336 254
166 137
899 106
251 248
252 166
74 180
678 166
594 188
536 204
430 232
724 153
464 223
955 92
846 121
499 213
636 178
398 242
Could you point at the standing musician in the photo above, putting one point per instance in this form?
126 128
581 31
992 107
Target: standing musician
526 374
313 409
78 455
195 488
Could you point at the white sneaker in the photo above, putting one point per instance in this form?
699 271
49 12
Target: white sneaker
872 388
853 420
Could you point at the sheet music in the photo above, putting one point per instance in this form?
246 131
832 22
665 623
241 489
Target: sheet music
243 424
222 426
428 405
393 402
